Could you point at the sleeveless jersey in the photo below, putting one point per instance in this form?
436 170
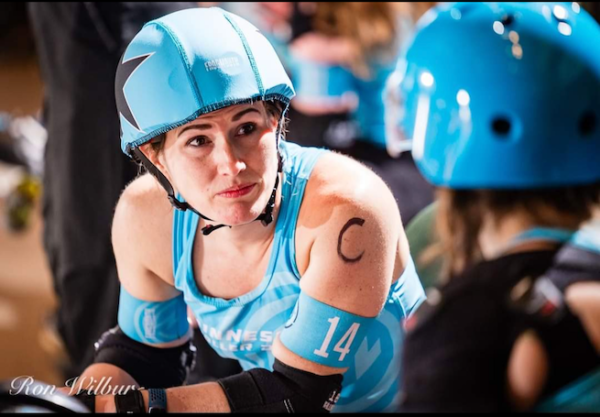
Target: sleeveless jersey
245 327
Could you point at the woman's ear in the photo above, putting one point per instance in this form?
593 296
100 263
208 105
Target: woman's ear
156 158
151 154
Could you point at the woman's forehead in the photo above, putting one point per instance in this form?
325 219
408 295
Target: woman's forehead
231 111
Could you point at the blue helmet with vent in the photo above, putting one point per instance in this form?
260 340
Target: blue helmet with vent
503 95
189 63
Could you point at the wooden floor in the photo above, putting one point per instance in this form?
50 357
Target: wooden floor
27 346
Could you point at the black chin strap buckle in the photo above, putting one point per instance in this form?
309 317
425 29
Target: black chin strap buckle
267 217
207 230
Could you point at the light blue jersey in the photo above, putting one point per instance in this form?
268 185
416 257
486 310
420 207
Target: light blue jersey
245 327
588 236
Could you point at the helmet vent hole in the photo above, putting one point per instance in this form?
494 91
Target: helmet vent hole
507 20
587 123
501 126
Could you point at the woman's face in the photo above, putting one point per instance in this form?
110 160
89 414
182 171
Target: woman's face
224 163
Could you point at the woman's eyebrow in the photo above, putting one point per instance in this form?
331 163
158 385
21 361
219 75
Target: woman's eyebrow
235 118
199 127
239 115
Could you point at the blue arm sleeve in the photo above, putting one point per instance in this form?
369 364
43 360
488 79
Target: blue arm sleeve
152 322
324 334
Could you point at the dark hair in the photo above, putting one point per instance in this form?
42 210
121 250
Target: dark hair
274 109
461 213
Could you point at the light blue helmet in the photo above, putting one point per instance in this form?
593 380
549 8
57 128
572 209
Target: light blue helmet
189 63
504 95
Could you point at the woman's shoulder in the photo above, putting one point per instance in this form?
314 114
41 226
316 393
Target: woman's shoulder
142 200
347 208
339 180
142 224
341 188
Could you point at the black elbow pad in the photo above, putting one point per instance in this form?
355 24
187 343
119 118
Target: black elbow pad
151 367
285 390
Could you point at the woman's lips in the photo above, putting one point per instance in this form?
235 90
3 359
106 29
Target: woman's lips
239 192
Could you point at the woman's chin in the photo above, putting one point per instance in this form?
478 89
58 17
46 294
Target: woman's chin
239 213
239 218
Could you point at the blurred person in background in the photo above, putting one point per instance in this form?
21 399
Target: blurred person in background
79 46
341 56
508 130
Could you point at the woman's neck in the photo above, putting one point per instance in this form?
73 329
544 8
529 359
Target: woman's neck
498 237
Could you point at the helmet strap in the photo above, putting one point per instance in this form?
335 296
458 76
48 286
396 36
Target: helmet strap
139 156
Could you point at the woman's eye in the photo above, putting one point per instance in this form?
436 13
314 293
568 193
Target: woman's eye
197 141
247 129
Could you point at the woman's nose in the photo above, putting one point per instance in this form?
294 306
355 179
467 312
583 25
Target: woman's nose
229 162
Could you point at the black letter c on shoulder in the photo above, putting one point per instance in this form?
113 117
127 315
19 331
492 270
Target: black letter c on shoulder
353 221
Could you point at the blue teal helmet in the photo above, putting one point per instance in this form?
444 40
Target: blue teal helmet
503 95
189 63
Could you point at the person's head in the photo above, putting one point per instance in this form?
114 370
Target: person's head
502 104
201 96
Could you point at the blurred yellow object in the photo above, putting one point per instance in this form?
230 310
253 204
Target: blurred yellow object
21 201
30 187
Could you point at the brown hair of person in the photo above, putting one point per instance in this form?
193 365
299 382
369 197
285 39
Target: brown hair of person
371 28
460 217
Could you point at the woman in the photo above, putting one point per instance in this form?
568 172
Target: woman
506 127
308 298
